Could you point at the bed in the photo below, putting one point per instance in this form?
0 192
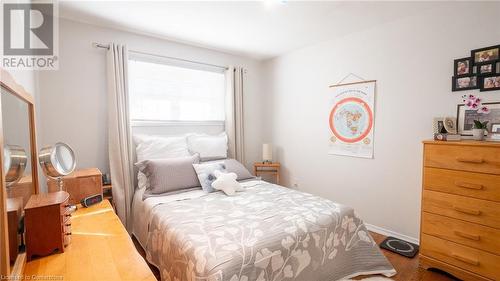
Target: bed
266 232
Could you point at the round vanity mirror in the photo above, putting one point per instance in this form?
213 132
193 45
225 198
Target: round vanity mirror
57 160
15 160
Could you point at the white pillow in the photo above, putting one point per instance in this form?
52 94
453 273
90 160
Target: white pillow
209 147
156 147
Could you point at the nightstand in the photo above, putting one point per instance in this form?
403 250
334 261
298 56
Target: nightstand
273 169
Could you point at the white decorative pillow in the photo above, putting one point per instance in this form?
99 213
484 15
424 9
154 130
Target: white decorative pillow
155 147
209 147
226 182
206 174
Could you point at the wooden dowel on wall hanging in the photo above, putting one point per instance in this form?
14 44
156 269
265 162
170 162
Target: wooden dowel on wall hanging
353 83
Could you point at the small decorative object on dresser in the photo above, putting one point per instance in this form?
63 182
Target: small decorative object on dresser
57 161
438 125
445 129
479 129
80 184
48 223
273 169
482 112
460 222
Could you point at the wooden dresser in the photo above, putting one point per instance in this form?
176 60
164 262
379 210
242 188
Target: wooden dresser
460 223
101 249
79 184
48 223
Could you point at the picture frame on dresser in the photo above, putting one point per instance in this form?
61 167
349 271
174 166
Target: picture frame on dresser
466 117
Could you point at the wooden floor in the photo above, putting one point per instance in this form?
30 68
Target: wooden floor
407 269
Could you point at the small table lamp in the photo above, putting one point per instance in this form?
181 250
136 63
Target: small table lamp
267 153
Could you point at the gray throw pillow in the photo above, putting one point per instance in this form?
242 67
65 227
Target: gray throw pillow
205 172
233 166
169 175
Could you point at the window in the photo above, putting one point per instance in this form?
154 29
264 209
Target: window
168 92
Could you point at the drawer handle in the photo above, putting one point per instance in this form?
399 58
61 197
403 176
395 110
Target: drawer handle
467 235
465 260
467 211
67 233
470 160
67 215
68 224
469 185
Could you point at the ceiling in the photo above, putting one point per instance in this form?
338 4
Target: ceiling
258 29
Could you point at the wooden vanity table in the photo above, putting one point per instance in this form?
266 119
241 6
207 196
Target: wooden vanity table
101 249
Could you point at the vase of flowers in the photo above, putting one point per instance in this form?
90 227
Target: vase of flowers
480 126
479 129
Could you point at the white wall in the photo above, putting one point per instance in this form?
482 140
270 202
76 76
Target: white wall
412 59
73 99
26 78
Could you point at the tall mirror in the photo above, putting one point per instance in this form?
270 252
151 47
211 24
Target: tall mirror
19 170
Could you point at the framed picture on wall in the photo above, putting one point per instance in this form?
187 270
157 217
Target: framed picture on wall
487 68
490 83
488 54
463 66
464 83
466 117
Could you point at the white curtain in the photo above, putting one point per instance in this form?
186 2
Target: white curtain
119 137
234 112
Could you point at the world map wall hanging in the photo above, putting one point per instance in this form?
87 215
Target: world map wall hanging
351 119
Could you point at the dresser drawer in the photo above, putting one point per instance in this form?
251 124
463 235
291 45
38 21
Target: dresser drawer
482 186
463 208
473 260
464 158
67 232
466 233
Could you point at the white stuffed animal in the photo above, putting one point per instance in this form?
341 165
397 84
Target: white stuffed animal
226 182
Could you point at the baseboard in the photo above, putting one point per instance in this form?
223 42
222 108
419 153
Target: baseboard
387 232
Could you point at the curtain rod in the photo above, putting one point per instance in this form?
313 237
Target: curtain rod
104 46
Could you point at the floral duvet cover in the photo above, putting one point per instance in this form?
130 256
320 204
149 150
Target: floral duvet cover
266 232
